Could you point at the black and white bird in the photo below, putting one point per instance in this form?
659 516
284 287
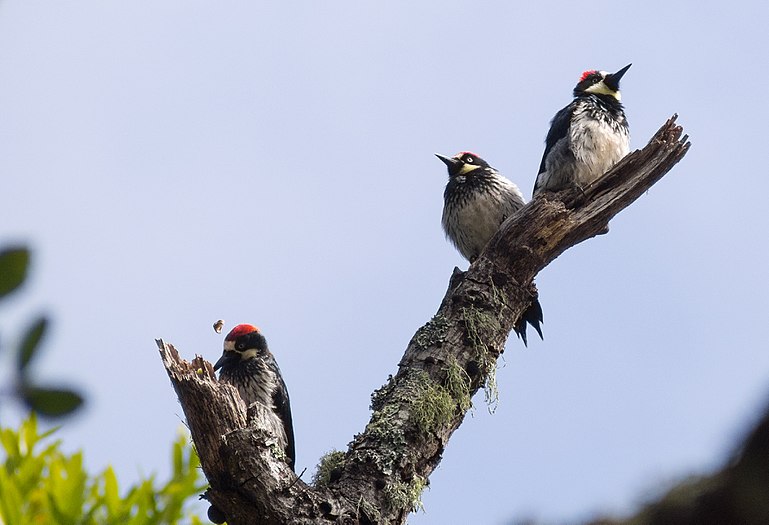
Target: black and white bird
477 200
248 365
588 136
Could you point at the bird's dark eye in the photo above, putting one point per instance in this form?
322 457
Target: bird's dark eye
469 160
240 346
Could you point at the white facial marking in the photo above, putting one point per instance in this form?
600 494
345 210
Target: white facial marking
467 168
249 354
600 88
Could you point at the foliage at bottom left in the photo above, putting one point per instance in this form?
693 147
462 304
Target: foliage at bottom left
41 484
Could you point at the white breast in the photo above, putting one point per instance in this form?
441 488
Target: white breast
596 146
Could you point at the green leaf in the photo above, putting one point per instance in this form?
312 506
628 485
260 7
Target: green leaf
51 402
56 513
31 342
111 494
178 459
11 502
13 269
28 435
70 492
10 442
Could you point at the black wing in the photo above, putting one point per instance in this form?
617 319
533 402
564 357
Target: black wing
283 406
559 127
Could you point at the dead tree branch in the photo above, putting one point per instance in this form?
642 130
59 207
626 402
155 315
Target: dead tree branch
382 474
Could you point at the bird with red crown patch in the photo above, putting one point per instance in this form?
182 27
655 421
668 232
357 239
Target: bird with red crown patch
587 137
248 365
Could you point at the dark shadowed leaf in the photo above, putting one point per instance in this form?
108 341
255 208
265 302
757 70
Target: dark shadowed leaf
13 269
51 402
31 342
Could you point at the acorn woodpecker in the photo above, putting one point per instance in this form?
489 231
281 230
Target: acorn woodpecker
248 365
587 137
477 200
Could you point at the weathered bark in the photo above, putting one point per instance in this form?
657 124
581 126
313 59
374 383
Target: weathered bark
383 472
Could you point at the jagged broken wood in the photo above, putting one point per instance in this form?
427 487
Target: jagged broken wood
380 477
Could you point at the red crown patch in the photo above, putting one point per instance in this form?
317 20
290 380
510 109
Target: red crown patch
241 329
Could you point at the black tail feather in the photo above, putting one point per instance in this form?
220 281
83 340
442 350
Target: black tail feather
532 316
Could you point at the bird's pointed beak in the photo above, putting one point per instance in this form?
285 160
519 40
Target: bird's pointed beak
227 358
613 80
452 163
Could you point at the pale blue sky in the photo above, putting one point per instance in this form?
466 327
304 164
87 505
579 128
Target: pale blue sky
173 163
